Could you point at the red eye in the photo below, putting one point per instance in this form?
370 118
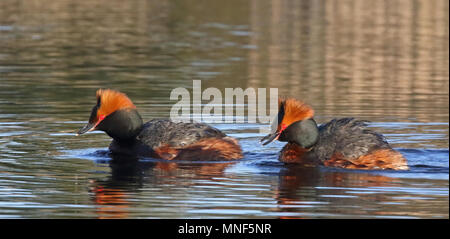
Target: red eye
283 127
101 117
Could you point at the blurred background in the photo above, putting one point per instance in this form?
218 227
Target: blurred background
383 61
356 58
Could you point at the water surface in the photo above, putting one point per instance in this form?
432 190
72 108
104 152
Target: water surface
383 61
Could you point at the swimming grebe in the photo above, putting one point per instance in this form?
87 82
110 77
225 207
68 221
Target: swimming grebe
116 115
345 143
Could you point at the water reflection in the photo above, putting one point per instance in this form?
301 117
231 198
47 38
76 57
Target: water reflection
113 196
380 60
300 187
383 61
362 58
319 192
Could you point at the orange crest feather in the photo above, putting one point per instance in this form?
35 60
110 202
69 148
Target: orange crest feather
112 100
294 110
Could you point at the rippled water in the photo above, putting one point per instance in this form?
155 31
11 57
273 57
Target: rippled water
383 61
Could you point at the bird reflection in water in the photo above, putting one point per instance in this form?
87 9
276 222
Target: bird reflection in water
299 188
113 195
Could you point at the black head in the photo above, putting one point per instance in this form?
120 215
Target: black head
304 133
114 114
294 124
122 125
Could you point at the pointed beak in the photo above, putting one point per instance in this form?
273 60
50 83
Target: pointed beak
90 126
270 137
86 128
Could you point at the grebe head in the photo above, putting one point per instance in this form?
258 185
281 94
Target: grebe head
295 124
114 114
